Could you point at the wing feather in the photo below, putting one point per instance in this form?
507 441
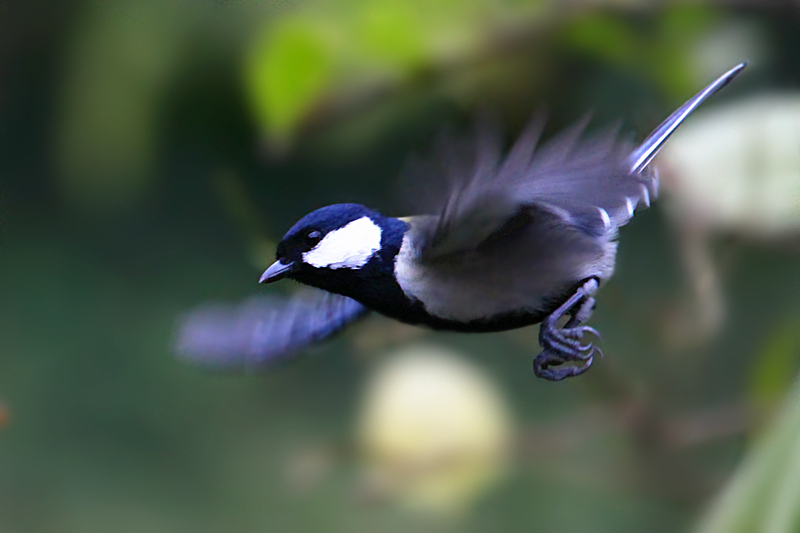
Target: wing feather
262 331
568 176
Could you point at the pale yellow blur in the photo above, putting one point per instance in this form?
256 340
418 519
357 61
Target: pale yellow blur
434 431
736 167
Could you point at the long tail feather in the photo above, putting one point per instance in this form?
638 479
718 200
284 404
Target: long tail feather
645 153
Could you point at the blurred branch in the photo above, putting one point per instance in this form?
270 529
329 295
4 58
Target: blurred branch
700 318
657 438
709 425
661 433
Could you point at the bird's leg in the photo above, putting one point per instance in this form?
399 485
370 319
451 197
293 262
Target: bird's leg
562 343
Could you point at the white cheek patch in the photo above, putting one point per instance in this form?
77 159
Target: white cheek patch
350 246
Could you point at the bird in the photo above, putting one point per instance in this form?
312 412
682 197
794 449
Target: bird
507 240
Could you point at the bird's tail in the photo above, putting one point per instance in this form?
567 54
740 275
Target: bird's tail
641 156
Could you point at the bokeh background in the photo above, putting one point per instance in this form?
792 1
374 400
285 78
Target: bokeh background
151 153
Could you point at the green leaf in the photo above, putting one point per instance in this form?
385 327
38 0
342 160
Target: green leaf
391 33
606 37
287 70
763 494
776 364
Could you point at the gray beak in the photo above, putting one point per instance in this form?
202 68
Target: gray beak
276 271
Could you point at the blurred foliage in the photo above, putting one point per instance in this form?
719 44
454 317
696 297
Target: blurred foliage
776 366
352 49
735 168
152 152
328 61
117 66
764 493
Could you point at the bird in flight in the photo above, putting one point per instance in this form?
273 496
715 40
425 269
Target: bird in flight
509 240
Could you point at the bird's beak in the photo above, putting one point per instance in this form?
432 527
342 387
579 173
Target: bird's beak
276 271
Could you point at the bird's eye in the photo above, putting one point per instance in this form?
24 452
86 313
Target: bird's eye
313 237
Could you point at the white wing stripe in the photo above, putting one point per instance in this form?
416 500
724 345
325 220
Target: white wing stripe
605 217
645 195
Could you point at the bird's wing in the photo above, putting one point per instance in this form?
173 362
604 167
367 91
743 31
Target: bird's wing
262 331
592 182
582 180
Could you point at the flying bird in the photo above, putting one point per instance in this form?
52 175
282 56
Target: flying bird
509 241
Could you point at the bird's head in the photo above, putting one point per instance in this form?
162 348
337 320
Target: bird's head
333 240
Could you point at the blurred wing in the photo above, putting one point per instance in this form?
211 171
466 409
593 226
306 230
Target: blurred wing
262 331
581 180
594 183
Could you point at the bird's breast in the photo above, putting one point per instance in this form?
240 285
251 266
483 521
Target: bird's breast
467 294
506 285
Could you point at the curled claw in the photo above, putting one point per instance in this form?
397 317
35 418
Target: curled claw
546 359
579 332
589 329
562 344
570 350
561 339
586 348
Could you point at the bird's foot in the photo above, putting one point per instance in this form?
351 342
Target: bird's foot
562 344
563 349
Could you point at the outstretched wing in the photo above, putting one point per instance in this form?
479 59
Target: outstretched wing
262 331
593 183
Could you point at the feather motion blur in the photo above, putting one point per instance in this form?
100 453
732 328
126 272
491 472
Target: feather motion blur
508 241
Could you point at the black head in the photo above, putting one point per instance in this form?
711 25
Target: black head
335 239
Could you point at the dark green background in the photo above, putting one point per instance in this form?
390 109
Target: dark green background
108 432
